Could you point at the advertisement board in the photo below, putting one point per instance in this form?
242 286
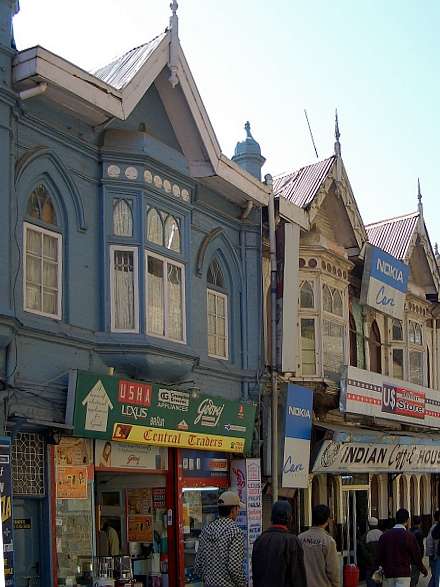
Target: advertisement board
379 396
359 457
384 282
113 408
114 456
298 430
6 510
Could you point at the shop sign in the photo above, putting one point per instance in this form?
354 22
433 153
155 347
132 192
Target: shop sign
113 408
210 465
379 396
384 282
114 456
22 523
246 481
6 510
341 457
179 439
298 429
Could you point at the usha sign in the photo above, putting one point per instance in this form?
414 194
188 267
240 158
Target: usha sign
119 409
384 282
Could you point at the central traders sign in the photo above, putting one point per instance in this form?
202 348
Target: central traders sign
113 408
350 457
379 396
384 282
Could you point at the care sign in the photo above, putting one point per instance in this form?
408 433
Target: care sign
384 282
119 409
340 457
298 428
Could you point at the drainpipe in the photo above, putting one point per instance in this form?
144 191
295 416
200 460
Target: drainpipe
31 92
273 298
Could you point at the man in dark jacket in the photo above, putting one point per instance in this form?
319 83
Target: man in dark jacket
277 556
397 551
416 529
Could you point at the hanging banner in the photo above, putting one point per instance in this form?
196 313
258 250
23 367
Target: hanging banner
6 503
298 429
114 456
380 396
114 408
384 282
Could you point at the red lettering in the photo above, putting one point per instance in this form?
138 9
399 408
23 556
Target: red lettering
135 393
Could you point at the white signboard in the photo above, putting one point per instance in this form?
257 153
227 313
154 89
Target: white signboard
357 457
384 282
379 396
129 457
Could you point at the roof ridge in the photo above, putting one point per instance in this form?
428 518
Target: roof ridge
298 169
394 218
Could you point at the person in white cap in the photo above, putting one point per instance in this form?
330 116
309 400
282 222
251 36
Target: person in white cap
220 556
369 549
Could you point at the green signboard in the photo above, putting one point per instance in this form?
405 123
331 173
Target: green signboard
120 409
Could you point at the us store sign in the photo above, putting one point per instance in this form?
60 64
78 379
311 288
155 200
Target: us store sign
379 396
384 282
124 410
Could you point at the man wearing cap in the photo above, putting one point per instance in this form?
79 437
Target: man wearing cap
369 549
277 556
220 555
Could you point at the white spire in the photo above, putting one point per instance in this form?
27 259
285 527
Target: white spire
419 198
174 44
337 136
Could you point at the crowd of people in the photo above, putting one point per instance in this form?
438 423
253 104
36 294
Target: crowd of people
393 558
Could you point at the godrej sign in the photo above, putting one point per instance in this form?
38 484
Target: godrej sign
384 282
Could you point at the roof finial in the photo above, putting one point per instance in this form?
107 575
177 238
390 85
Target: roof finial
174 42
247 128
337 135
419 198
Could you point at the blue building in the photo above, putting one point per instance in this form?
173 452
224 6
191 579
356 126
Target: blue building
130 245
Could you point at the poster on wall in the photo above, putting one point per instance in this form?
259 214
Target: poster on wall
139 501
297 434
71 483
113 456
6 509
384 282
74 452
246 481
140 529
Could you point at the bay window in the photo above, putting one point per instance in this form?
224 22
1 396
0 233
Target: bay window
333 332
308 346
416 353
398 370
124 289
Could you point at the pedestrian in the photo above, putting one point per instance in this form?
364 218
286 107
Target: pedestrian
432 548
397 551
277 556
368 548
220 556
416 529
320 554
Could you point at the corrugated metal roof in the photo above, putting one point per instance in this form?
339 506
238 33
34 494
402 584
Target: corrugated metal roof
393 235
122 70
300 187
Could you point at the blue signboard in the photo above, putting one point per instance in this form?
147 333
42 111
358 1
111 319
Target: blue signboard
298 429
384 282
6 502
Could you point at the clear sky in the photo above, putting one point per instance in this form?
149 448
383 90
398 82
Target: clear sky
267 60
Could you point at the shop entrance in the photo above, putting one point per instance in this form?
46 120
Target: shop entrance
27 514
355 498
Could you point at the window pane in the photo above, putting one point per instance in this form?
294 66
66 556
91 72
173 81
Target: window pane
33 270
50 277
418 334
306 296
172 234
50 301
327 299
220 306
33 297
398 363
122 218
40 206
333 342
416 367
215 274
337 303
211 344
308 346
33 241
175 302
156 312
412 336
397 330
50 247
154 227
217 325
123 290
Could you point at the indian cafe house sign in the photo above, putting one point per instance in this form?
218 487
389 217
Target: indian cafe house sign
119 409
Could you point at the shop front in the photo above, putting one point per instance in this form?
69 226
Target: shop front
138 479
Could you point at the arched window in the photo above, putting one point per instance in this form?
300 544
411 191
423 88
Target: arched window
327 299
337 303
397 330
42 263
172 234
154 227
375 349
217 312
307 297
122 218
353 341
417 334
416 353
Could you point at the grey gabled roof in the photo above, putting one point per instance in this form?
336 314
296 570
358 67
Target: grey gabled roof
122 70
393 235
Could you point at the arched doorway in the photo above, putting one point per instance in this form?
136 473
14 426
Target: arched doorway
375 349
374 496
402 492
